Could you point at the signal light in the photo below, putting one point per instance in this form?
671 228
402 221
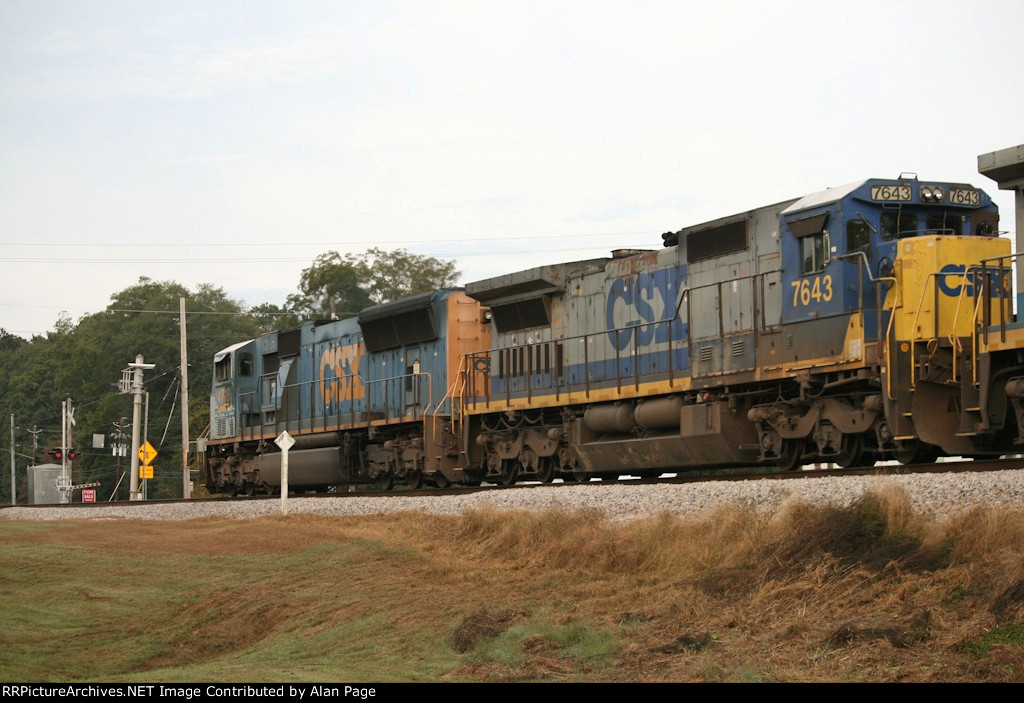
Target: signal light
58 454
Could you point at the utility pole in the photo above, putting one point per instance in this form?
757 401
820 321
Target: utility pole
35 442
131 382
66 413
68 461
118 448
186 491
14 493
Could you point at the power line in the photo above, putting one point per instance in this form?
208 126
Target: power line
460 240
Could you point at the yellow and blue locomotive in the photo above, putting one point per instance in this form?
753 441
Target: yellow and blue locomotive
838 327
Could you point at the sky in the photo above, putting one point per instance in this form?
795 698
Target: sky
232 142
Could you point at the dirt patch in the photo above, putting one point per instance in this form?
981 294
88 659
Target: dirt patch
538 645
917 629
481 625
686 642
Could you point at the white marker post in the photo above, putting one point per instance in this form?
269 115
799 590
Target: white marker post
285 442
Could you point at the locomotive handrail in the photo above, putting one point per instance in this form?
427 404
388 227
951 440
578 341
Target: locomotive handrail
981 291
954 339
347 380
917 316
757 325
1003 312
897 303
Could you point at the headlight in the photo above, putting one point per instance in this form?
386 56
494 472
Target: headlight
932 194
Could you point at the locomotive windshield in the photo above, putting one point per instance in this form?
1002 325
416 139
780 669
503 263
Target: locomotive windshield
929 220
898 224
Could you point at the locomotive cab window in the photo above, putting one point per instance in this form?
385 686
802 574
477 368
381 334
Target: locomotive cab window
810 232
814 252
222 369
858 237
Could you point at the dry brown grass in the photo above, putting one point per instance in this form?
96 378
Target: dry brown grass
874 591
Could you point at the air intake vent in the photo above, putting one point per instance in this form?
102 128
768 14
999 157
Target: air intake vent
224 426
789 341
738 347
705 354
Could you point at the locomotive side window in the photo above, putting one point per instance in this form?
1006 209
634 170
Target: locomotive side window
245 364
814 242
898 224
222 369
813 252
858 237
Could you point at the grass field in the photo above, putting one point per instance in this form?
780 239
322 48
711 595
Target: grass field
873 592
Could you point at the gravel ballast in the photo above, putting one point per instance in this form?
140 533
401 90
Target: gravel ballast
932 493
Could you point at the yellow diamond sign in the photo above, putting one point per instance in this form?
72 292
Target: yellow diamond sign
146 454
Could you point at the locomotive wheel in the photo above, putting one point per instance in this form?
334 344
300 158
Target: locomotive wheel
791 454
388 483
509 472
415 480
546 470
852 452
917 454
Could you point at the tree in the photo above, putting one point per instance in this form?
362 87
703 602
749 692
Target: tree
270 317
358 281
85 360
393 275
329 276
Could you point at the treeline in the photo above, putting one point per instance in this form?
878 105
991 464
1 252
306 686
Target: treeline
83 360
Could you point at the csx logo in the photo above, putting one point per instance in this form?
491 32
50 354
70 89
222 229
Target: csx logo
339 374
645 297
955 278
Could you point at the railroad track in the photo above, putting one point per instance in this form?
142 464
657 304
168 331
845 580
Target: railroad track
976 466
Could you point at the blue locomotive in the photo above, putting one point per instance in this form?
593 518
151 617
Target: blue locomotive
366 399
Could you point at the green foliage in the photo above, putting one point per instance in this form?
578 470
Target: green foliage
1010 635
577 638
84 361
329 276
271 317
358 281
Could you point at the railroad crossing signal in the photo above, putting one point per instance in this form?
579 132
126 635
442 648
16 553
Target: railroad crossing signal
85 485
146 454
